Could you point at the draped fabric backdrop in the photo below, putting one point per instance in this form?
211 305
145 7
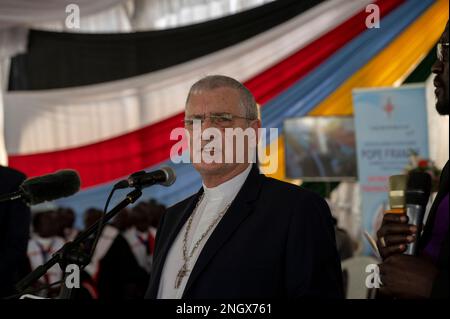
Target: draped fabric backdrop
18 15
108 16
57 60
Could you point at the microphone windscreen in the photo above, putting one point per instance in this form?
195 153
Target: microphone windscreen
397 188
50 187
418 188
170 175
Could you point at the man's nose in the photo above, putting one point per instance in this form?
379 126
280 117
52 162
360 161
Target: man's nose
207 123
437 67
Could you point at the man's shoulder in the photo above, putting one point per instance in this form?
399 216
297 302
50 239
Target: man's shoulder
271 189
11 173
10 178
280 190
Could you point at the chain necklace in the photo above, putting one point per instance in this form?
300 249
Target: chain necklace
184 269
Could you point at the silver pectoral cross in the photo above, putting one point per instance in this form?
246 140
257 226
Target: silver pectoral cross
181 273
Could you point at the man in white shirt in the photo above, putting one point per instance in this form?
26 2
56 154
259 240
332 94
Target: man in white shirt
242 235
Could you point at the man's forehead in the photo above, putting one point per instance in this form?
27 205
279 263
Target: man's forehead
213 101
224 94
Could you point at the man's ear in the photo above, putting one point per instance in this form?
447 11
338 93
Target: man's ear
256 125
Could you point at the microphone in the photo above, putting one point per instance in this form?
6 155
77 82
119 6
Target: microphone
397 188
416 198
49 187
164 176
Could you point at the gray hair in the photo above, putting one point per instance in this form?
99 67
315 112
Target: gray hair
211 82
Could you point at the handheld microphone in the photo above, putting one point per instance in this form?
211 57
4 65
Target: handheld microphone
416 198
49 187
164 176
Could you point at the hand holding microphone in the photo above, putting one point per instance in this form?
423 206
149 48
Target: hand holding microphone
401 225
416 199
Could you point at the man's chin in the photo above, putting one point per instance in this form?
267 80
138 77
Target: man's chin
210 168
442 106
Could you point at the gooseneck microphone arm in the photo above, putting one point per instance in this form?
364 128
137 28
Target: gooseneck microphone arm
70 252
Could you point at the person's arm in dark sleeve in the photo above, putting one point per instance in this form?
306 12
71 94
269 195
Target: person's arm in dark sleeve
441 283
313 266
13 249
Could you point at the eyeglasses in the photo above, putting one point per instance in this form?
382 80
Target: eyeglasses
222 120
440 51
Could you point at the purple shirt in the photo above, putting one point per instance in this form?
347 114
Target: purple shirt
440 230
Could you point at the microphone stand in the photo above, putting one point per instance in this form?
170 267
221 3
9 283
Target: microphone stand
72 252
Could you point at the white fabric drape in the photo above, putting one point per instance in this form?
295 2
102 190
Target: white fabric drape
58 119
112 20
28 12
12 41
162 14
144 15
22 14
3 73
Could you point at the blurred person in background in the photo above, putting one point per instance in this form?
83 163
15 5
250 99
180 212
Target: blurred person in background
66 218
44 242
91 273
139 236
344 242
114 267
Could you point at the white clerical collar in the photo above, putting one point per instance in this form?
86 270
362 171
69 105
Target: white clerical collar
228 189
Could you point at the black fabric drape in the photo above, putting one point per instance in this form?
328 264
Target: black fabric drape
59 60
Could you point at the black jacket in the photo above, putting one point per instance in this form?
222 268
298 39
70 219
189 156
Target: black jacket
441 283
14 231
275 241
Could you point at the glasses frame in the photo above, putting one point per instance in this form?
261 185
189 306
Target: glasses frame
217 120
440 51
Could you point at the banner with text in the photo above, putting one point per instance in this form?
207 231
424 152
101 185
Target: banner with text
390 123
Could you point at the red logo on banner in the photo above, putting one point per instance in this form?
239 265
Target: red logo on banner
389 107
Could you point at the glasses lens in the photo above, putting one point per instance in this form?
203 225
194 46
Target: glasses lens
439 52
188 122
442 51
